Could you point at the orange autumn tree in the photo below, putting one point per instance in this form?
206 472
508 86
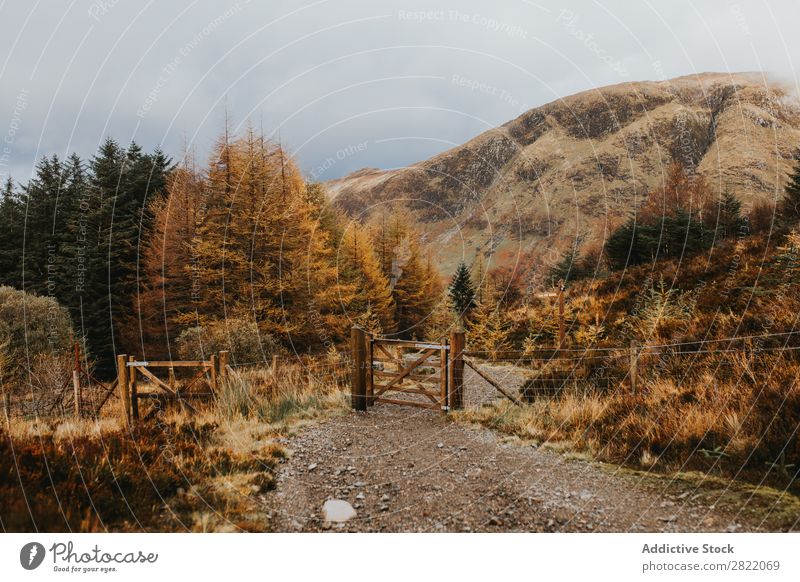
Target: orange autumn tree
417 291
372 305
680 192
258 253
165 291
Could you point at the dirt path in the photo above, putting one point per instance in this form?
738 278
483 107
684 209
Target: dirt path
406 470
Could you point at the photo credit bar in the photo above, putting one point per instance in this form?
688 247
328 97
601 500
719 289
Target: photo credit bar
540 556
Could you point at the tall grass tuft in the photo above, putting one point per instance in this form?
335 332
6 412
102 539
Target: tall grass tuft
296 391
234 399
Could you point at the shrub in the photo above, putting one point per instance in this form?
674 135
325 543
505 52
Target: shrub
30 325
46 388
242 338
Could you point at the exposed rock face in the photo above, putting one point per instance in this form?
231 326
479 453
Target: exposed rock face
579 165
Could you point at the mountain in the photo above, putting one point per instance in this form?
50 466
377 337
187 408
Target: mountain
580 165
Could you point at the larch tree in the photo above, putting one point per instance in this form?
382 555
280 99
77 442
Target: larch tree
489 331
166 291
261 254
415 293
359 271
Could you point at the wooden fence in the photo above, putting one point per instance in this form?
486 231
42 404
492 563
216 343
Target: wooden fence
70 391
379 366
162 391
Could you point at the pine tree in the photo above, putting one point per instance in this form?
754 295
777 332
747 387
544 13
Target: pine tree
10 237
40 200
101 244
462 292
74 206
789 208
567 269
624 246
724 216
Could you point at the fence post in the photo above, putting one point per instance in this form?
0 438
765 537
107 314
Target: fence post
134 391
444 379
358 388
123 387
214 383
368 371
457 343
223 365
6 406
634 365
274 369
76 381
561 331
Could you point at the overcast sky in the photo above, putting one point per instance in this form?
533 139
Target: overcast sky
348 83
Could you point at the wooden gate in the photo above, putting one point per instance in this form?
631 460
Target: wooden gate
128 370
408 373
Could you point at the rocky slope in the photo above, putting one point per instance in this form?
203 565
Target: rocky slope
576 167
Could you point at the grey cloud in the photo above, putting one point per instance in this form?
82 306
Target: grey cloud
405 78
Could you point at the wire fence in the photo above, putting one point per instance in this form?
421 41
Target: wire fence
550 371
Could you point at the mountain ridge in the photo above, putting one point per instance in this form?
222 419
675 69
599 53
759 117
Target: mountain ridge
577 166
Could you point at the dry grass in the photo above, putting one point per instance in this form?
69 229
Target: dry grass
292 394
205 472
732 428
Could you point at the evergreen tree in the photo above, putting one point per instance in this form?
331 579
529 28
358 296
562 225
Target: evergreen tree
724 217
673 236
462 292
101 258
41 200
789 207
10 237
624 246
676 235
567 269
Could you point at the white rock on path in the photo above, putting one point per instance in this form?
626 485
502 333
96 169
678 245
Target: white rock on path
338 510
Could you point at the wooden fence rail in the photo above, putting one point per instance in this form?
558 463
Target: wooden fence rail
558 366
129 370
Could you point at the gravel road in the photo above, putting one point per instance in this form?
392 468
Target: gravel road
410 470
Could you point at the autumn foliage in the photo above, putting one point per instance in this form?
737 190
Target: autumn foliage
246 239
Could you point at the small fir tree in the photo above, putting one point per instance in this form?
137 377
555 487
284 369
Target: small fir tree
462 292
789 209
